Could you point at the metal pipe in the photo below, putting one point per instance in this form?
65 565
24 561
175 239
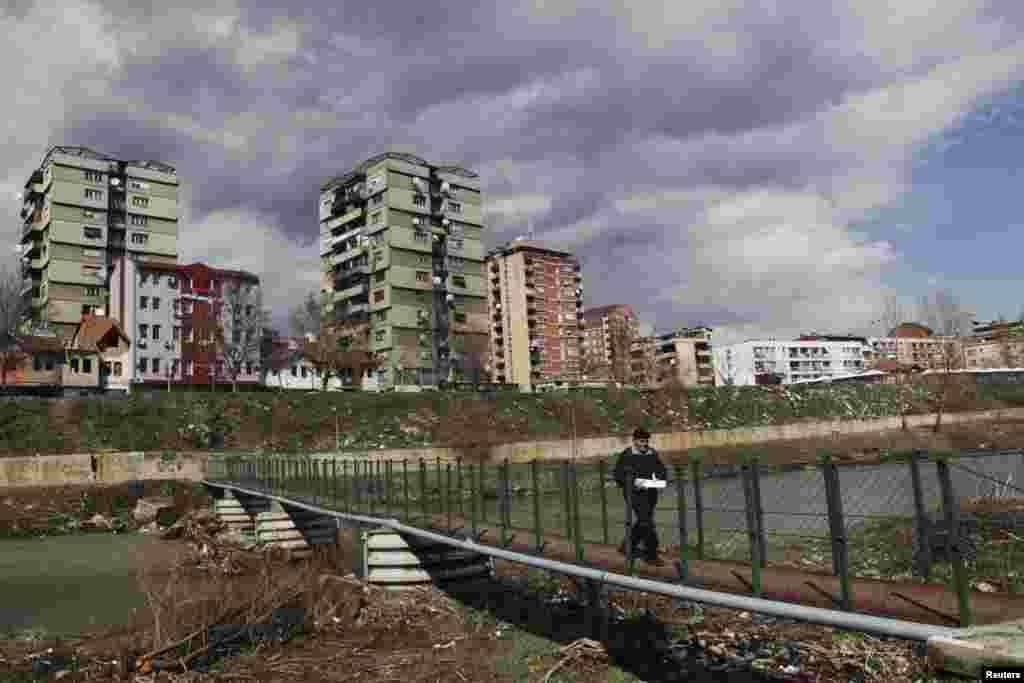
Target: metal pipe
851 621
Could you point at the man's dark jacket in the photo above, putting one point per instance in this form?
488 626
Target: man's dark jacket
643 465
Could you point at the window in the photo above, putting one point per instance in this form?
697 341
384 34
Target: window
378 277
94 176
220 368
379 335
459 280
175 333
87 366
455 244
92 291
91 271
118 368
248 310
172 282
378 296
95 195
86 213
380 316
460 317
156 281
138 220
455 207
137 185
188 367
303 372
376 200
143 277
375 218
174 367
74 365
156 303
143 331
236 336
91 253
139 238
143 364
422 276
419 200
156 365
140 201
86 309
156 332
144 302
295 371
177 305
419 235
92 233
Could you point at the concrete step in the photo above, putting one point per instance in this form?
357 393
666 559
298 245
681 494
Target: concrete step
405 558
390 575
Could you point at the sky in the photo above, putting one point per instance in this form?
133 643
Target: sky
767 169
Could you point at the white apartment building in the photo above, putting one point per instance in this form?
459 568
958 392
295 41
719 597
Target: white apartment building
753 362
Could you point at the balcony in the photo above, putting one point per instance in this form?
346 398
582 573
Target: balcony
351 292
344 218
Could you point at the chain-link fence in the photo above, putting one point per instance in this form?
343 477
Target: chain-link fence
951 518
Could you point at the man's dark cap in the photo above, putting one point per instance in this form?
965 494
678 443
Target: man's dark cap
640 433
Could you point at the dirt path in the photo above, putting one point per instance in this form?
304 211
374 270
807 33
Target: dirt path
782 583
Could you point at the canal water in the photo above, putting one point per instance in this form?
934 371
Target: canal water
69 584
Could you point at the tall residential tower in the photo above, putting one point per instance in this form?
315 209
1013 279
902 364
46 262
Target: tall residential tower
535 300
85 214
402 252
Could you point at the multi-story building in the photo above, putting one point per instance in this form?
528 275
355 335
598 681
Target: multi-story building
913 344
402 260
85 215
609 332
169 310
535 300
765 361
995 344
683 356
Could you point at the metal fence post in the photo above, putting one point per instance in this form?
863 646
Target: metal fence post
346 495
448 493
698 501
628 542
602 474
357 494
566 502
482 472
334 483
473 479
440 485
683 568
949 506
755 482
837 530
535 475
508 501
752 531
458 479
576 528
502 499
923 533
423 491
405 488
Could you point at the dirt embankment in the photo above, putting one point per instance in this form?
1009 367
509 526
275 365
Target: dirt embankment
57 510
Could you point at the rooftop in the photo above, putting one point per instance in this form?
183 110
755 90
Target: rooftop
361 169
89 153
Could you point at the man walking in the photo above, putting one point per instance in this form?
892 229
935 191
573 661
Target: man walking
643 463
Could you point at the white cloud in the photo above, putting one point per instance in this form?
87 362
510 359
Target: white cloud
517 206
238 239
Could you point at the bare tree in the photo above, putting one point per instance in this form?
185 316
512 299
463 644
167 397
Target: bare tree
943 313
725 368
621 342
341 347
308 317
243 319
891 313
470 347
15 311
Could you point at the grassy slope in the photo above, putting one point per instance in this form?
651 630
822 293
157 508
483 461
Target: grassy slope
297 422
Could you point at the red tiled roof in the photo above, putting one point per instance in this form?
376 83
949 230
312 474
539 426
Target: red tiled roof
92 329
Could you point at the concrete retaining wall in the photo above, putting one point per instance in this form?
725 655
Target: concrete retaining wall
601 447
119 467
109 468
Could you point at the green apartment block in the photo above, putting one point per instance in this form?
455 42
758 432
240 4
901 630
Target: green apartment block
84 214
402 250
